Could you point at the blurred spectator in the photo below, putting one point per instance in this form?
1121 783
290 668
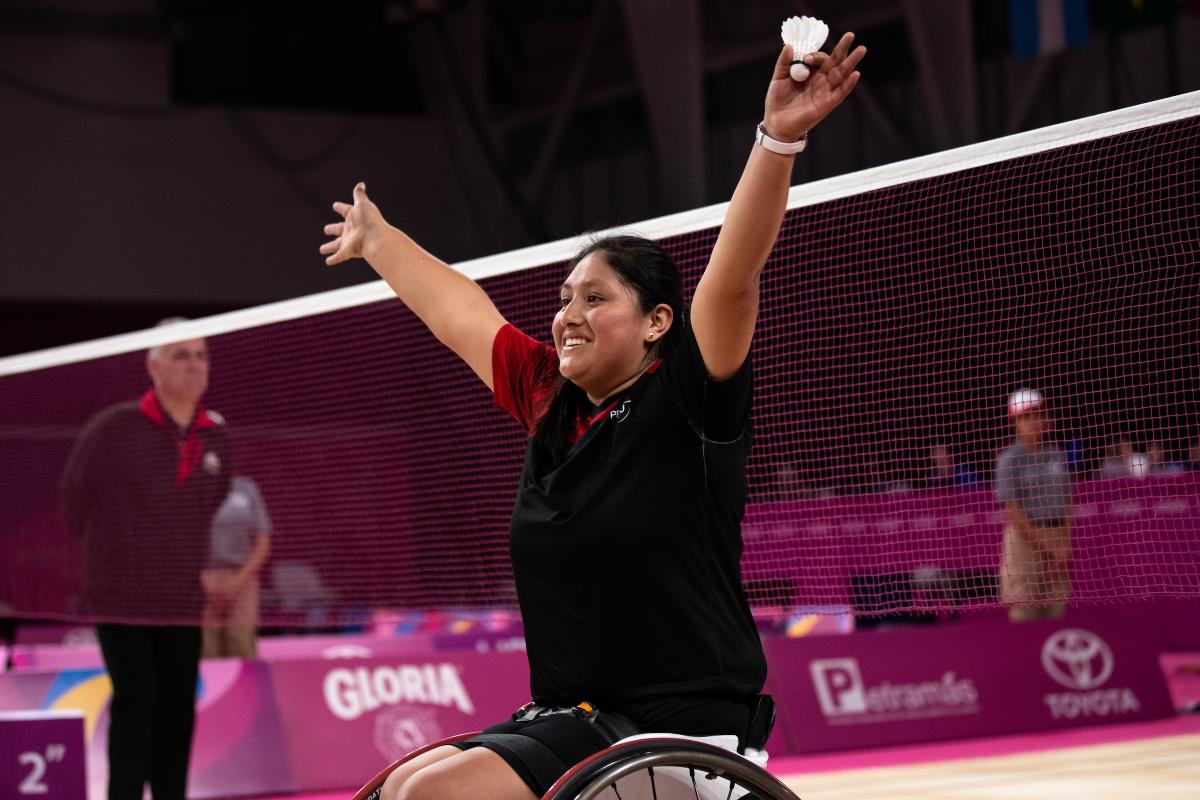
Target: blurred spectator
1034 488
1155 457
945 473
884 474
1118 459
297 592
1075 454
895 483
1159 464
871 477
241 540
139 490
820 491
788 485
1193 462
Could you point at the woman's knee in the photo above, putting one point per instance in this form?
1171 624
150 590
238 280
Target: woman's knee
415 786
429 784
391 786
474 773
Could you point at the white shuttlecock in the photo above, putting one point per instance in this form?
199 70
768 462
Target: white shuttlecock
805 35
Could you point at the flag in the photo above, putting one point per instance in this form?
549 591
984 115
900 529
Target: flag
1041 27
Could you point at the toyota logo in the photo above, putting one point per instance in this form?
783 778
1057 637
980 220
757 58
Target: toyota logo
1077 659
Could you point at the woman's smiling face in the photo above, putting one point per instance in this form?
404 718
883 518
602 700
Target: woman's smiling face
601 333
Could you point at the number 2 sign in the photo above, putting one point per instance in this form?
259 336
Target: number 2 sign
42 755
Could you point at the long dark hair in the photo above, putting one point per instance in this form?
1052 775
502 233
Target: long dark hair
653 276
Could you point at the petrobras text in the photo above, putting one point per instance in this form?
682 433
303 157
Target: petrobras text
845 697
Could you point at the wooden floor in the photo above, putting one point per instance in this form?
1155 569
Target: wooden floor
1154 760
1166 768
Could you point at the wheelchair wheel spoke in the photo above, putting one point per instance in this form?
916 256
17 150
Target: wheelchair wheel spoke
677 765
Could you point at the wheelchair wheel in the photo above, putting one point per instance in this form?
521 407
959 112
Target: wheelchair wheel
667 769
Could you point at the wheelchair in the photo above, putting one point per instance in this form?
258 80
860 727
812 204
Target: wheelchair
649 766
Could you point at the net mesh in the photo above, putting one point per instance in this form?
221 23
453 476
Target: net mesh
894 325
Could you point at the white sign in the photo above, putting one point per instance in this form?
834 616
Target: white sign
845 698
1077 659
1083 662
350 693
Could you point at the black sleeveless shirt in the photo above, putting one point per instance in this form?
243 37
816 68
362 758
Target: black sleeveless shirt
627 549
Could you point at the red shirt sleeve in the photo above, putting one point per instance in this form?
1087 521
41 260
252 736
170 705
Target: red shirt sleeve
523 371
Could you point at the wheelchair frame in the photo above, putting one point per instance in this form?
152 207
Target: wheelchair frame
592 776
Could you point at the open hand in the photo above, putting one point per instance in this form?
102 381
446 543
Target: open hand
360 223
793 108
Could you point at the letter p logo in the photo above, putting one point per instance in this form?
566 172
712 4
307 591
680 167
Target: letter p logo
839 686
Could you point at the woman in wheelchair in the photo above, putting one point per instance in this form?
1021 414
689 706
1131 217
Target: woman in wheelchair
625 536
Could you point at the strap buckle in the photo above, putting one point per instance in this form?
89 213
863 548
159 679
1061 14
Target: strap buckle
584 710
531 711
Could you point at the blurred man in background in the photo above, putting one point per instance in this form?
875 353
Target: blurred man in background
140 490
946 472
1034 488
241 541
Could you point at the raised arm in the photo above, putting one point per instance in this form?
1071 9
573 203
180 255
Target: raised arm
450 304
725 306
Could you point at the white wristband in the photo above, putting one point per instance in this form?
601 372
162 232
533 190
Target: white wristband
776 146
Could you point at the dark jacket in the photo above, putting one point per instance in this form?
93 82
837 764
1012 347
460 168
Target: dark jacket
141 495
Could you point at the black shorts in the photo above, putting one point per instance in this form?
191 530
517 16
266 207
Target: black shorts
542 750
